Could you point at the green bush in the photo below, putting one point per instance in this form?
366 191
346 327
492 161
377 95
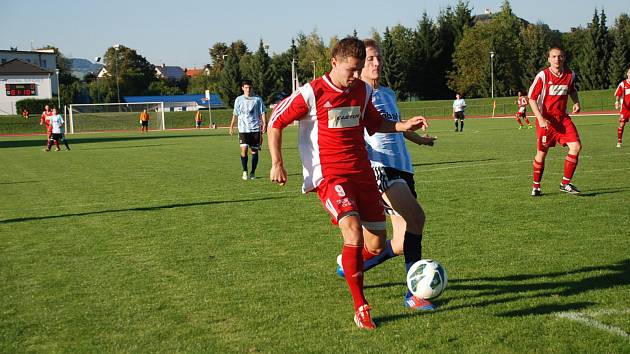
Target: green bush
35 105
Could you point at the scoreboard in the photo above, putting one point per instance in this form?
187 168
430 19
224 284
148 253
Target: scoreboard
21 89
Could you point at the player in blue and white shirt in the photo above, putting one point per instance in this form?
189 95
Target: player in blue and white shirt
393 169
57 129
459 105
249 110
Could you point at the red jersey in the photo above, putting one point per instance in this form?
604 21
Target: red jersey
551 92
623 92
46 120
522 104
332 122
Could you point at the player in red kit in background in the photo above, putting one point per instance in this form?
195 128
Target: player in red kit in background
622 101
548 98
521 101
333 112
45 120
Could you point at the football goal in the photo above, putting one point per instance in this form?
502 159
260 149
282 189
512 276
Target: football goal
113 117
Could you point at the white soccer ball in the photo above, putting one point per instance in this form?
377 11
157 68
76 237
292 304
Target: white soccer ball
427 279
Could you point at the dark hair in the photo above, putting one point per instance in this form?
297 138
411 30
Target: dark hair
555 48
246 82
349 47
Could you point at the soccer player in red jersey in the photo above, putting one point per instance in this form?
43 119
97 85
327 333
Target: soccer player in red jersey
548 98
333 112
622 101
45 119
521 101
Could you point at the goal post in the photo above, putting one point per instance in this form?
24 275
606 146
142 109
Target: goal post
98 117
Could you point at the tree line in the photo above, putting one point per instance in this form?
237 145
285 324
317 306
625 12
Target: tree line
432 60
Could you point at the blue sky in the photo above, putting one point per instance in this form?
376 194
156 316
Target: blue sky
180 33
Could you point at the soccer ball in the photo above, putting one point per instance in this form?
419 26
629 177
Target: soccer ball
426 279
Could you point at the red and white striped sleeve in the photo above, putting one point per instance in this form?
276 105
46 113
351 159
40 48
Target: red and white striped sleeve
620 90
288 110
537 86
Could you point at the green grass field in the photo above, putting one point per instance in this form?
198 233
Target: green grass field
152 243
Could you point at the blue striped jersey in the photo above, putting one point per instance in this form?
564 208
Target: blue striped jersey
249 111
388 149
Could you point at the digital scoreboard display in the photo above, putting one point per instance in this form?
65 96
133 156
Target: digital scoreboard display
21 89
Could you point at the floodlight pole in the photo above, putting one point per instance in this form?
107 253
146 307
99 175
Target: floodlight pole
313 62
492 74
116 46
293 79
58 92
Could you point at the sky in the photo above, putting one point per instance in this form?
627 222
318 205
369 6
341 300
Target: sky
180 34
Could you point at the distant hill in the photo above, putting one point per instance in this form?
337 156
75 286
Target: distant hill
81 67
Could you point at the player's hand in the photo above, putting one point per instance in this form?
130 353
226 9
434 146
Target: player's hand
543 123
576 108
415 123
616 105
231 131
278 174
428 140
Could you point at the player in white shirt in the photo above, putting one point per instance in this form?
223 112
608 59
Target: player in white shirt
249 110
458 112
393 169
56 123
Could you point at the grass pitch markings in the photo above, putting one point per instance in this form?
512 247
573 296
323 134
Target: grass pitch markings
587 319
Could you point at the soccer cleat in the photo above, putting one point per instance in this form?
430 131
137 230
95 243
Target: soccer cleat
363 319
252 175
244 175
536 192
416 303
340 267
456 129
57 149
529 127
569 188
618 145
520 127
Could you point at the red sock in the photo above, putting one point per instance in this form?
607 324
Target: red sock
539 168
519 121
527 120
352 263
570 163
367 254
619 134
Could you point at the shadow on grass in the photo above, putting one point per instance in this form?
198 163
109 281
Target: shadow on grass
515 288
152 208
72 140
596 192
615 275
450 162
20 182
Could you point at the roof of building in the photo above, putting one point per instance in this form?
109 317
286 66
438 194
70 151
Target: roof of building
194 72
18 67
38 51
170 72
200 99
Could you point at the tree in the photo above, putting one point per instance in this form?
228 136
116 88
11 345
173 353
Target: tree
427 49
392 73
508 48
230 79
595 54
620 56
471 62
402 40
132 71
537 39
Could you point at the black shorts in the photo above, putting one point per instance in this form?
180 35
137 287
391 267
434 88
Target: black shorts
145 123
252 140
56 136
459 115
386 176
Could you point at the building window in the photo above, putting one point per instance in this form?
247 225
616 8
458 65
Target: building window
43 63
21 89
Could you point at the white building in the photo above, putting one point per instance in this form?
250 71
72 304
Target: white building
20 80
44 58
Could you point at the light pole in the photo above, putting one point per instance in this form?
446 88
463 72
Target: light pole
58 92
492 74
116 46
313 62
98 92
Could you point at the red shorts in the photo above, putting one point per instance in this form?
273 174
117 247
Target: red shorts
624 117
560 131
355 195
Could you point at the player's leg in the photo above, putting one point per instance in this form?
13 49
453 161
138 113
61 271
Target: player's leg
49 143
570 164
529 125
255 148
456 124
461 123
622 124
539 168
244 160
518 120
65 141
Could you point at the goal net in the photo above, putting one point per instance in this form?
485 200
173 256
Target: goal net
113 117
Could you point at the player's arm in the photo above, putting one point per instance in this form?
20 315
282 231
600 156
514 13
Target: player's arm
576 101
411 124
419 139
263 118
277 174
618 96
232 124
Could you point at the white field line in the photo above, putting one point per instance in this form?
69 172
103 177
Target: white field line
586 319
